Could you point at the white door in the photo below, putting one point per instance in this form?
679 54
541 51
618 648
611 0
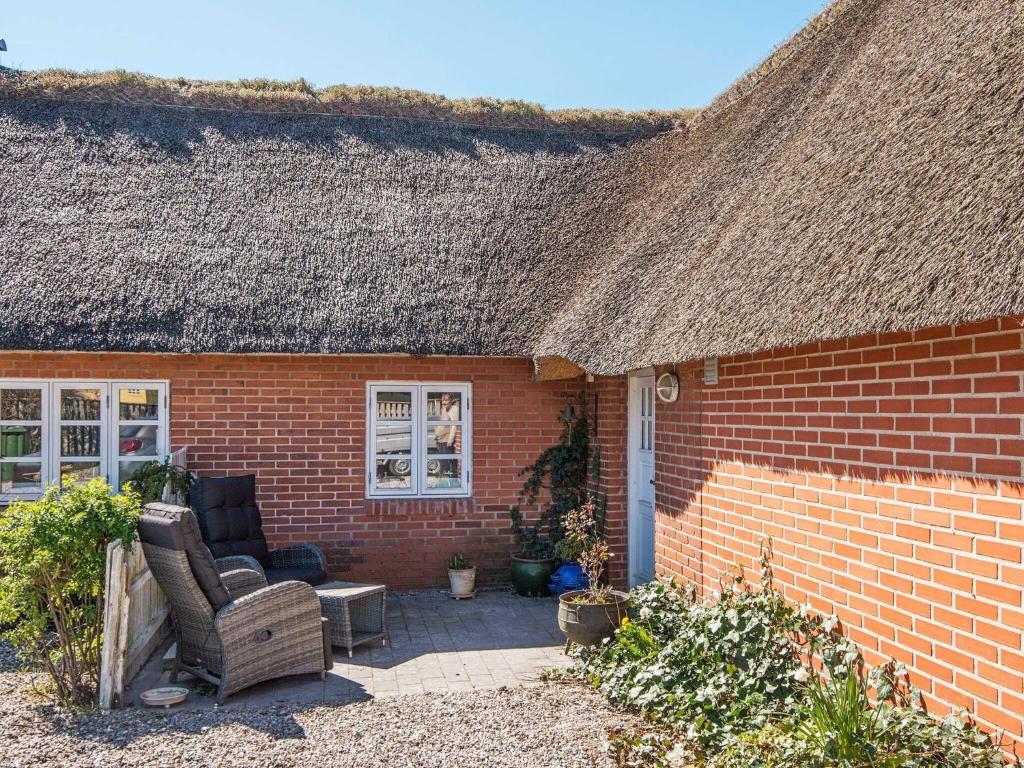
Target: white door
641 479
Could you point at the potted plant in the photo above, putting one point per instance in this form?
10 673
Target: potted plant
587 616
153 477
535 561
570 574
462 577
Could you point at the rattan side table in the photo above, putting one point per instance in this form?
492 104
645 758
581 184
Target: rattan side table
354 611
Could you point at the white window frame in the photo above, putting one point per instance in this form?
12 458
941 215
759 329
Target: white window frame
56 422
46 427
420 431
163 449
109 423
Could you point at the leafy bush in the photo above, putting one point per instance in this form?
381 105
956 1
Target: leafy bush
737 682
52 560
719 669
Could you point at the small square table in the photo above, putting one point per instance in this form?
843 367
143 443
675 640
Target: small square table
354 611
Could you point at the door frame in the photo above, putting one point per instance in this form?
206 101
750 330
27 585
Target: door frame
632 468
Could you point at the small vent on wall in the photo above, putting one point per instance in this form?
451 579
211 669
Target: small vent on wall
711 370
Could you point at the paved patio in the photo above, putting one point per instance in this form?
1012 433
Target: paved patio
436 644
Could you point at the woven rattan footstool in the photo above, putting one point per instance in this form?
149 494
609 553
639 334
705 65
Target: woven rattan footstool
354 611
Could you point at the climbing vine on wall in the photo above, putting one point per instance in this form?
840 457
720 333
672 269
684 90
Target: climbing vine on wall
562 478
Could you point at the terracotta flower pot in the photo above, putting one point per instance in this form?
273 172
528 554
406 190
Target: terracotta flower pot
589 624
463 582
530 577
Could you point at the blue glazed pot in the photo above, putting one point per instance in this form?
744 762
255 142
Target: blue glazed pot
568 578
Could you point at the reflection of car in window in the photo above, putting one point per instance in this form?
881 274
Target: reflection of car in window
138 440
396 439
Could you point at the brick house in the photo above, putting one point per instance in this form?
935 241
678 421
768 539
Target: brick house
797 314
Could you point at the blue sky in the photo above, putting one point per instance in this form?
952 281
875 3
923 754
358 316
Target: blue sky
560 53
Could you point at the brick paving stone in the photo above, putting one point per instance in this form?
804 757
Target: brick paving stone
435 644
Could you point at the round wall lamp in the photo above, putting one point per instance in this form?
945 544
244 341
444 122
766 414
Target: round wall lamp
668 387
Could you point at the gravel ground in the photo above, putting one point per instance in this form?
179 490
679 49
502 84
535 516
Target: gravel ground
9 661
550 726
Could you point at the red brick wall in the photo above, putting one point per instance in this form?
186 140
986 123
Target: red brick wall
298 422
610 396
887 470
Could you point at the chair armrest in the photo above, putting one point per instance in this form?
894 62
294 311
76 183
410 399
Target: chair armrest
290 601
299 556
269 633
242 581
234 562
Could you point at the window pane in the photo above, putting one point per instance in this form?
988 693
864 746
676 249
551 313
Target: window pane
444 439
20 476
82 470
21 441
394 474
80 441
394 438
80 404
126 469
444 473
394 406
444 406
138 404
137 440
21 405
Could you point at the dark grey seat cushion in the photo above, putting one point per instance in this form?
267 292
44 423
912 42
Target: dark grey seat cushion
173 527
310 575
229 517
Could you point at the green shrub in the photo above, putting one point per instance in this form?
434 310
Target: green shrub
730 684
837 727
52 560
721 668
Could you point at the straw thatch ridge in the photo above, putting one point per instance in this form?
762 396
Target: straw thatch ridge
865 178
263 95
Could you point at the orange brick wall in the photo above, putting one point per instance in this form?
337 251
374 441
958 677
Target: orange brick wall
298 422
887 471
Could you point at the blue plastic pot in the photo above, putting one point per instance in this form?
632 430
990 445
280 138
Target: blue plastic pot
568 578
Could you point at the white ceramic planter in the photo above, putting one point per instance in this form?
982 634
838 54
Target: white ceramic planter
463 582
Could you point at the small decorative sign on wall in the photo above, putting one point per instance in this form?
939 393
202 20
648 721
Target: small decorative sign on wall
711 370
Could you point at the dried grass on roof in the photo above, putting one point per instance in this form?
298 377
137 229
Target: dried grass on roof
299 95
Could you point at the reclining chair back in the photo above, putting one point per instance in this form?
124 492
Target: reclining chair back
185 570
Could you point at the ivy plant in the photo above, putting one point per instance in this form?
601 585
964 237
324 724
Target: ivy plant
561 479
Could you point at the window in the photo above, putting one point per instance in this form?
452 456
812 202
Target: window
418 440
52 429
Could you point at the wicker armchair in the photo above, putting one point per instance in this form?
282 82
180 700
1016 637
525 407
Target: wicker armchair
230 522
232 629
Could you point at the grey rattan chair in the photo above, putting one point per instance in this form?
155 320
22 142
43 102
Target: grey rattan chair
232 629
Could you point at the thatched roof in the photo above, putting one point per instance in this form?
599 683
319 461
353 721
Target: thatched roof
161 228
865 178
870 177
